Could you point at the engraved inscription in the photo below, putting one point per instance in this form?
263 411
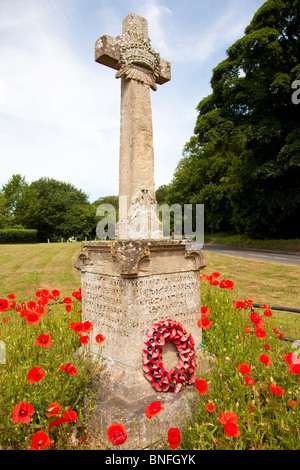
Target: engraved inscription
120 305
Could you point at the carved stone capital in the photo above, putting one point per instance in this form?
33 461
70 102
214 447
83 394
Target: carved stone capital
129 254
82 260
200 261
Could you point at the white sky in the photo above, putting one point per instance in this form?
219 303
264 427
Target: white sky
60 110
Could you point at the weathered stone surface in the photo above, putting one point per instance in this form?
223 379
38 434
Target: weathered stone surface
140 68
142 432
127 286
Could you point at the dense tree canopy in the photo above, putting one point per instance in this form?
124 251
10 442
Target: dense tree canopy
243 162
54 208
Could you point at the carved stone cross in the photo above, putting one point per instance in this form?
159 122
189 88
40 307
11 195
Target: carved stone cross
140 68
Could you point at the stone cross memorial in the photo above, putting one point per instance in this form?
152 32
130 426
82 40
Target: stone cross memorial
141 291
140 68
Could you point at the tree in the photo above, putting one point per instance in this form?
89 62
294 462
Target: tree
243 162
13 191
56 209
4 211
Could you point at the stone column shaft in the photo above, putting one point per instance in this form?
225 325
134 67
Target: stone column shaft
136 166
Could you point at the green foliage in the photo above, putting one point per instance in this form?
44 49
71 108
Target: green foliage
55 209
15 235
4 211
243 162
13 191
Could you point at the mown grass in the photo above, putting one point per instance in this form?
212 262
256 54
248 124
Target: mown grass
26 269
236 240
273 422
265 283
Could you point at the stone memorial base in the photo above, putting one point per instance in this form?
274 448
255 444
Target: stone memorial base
128 286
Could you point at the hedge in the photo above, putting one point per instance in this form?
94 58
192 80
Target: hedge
12 235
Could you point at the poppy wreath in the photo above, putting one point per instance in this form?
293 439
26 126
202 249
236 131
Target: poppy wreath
161 378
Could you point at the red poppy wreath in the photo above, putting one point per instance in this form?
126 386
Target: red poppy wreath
161 378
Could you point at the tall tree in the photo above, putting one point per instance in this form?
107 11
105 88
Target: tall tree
56 209
13 191
243 163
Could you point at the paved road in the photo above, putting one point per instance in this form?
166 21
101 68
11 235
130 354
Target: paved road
264 255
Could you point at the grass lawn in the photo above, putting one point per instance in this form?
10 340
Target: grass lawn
265 283
292 245
24 269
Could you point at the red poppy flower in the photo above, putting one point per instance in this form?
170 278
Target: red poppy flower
40 441
54 409
265 359
77 294
244 368
56 422
231 429
230 416
249 380
210 407
67 300
174 437
84 339
4 305
55 294
276 390
43 340
4 320
116 433
12 296
69 369
77 326
288 358
275 331
292 402
87 326
22 413
68 417
44 301
68 308
201 386
260 333
256 319
99 338
227 284
204 323
267 347
295 369
152 409
12 304
293 361
268 313
239 304
32 318
35 375
205 311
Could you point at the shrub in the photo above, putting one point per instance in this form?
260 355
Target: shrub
13 235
